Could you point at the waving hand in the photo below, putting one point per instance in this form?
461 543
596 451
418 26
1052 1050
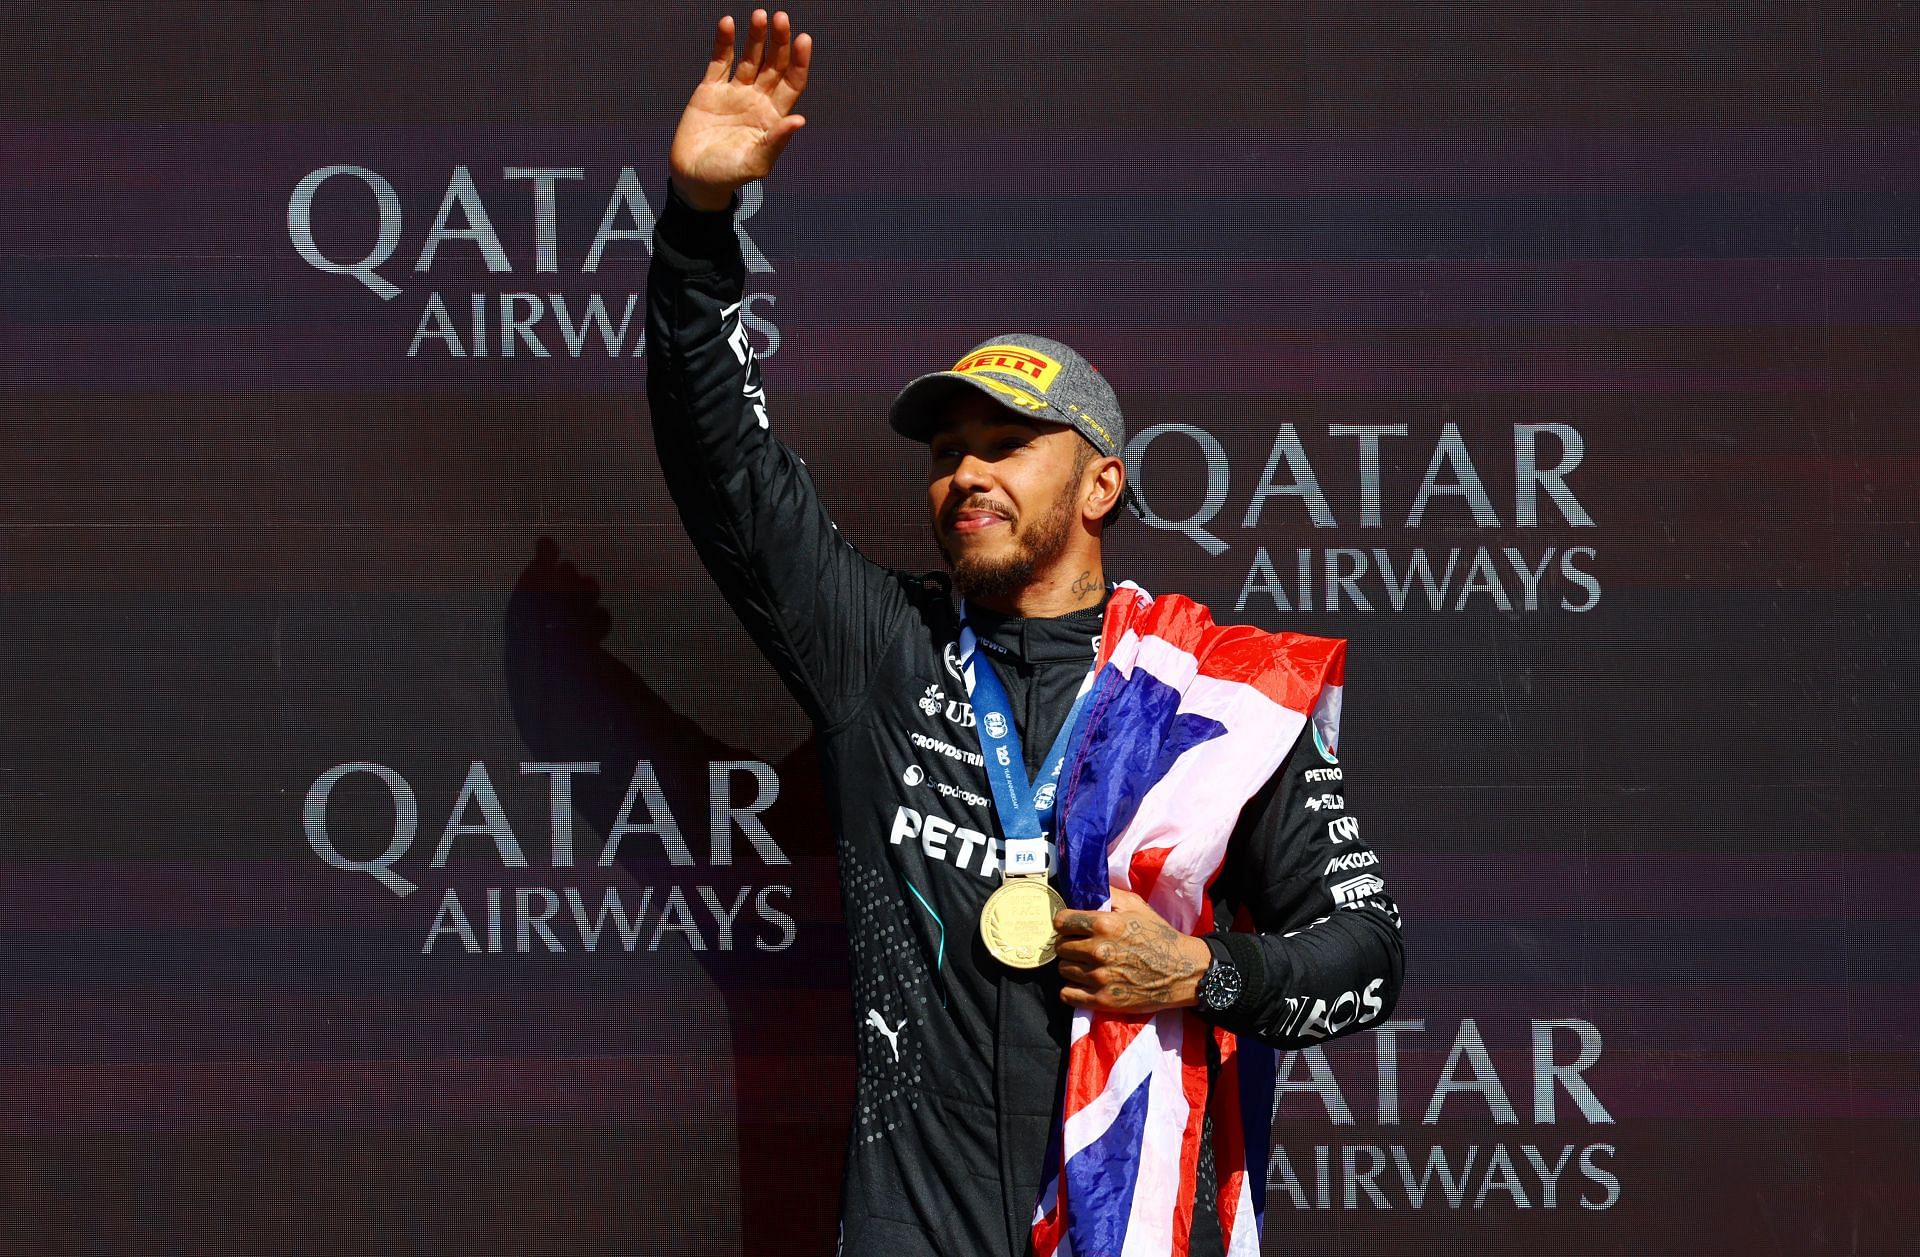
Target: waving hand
741 116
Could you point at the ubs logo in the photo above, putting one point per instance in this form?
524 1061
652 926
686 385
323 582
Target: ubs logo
933 700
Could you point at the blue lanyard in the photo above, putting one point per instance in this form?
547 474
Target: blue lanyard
1025 809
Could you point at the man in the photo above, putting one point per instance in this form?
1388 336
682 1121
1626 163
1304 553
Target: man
960 1052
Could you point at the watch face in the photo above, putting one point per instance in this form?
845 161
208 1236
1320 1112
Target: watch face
1221 986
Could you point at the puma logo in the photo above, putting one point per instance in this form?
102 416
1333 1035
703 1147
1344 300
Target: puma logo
879 1023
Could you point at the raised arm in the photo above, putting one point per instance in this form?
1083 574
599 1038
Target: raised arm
819 609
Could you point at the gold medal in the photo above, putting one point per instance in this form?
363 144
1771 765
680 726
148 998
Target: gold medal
1017 921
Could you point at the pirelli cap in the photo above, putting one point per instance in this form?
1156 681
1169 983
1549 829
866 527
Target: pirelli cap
1035 376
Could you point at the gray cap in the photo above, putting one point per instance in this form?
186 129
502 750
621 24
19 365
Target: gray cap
1031 375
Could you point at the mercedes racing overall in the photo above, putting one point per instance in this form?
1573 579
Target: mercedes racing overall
960 1059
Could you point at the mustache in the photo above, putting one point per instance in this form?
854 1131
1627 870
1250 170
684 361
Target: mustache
976 504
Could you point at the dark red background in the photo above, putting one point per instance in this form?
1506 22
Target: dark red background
244 537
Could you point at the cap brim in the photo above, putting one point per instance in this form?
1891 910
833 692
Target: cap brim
919 407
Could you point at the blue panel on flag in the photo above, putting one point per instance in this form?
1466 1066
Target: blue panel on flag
1137 733
1100 1179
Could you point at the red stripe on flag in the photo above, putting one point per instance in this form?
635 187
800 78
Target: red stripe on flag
1229 1140
1193 1079
1289 668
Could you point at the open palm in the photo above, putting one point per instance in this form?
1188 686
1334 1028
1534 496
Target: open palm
740 117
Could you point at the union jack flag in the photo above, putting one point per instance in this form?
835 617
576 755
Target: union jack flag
1187 719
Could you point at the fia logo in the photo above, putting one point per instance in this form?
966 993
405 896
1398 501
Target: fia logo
996 725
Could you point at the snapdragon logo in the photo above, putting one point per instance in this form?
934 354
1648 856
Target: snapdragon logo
513 318
1239 519
1542 1165
577 904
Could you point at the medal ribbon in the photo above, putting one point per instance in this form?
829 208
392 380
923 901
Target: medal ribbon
1022 820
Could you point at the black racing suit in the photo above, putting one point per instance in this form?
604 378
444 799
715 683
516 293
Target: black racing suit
960 1059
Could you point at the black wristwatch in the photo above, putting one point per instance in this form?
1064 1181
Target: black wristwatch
1222 983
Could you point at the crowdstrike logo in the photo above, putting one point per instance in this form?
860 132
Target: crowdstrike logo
948 749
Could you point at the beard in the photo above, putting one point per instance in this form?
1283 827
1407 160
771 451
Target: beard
999 578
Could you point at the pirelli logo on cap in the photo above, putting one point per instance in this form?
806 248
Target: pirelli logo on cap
1036 370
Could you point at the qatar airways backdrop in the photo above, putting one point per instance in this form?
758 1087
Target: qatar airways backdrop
402 849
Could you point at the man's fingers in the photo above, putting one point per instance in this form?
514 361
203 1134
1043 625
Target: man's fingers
722 59
1074 950
1087 976
780 54
1083 954
794 81
1088 953
755 56
783 131
1074 921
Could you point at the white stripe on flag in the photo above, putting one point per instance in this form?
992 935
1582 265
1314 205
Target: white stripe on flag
1158 1188
1136 1062
1195 806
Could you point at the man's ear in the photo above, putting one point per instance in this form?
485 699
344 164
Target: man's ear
1109 478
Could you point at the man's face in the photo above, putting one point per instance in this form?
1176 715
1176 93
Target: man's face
1004 493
